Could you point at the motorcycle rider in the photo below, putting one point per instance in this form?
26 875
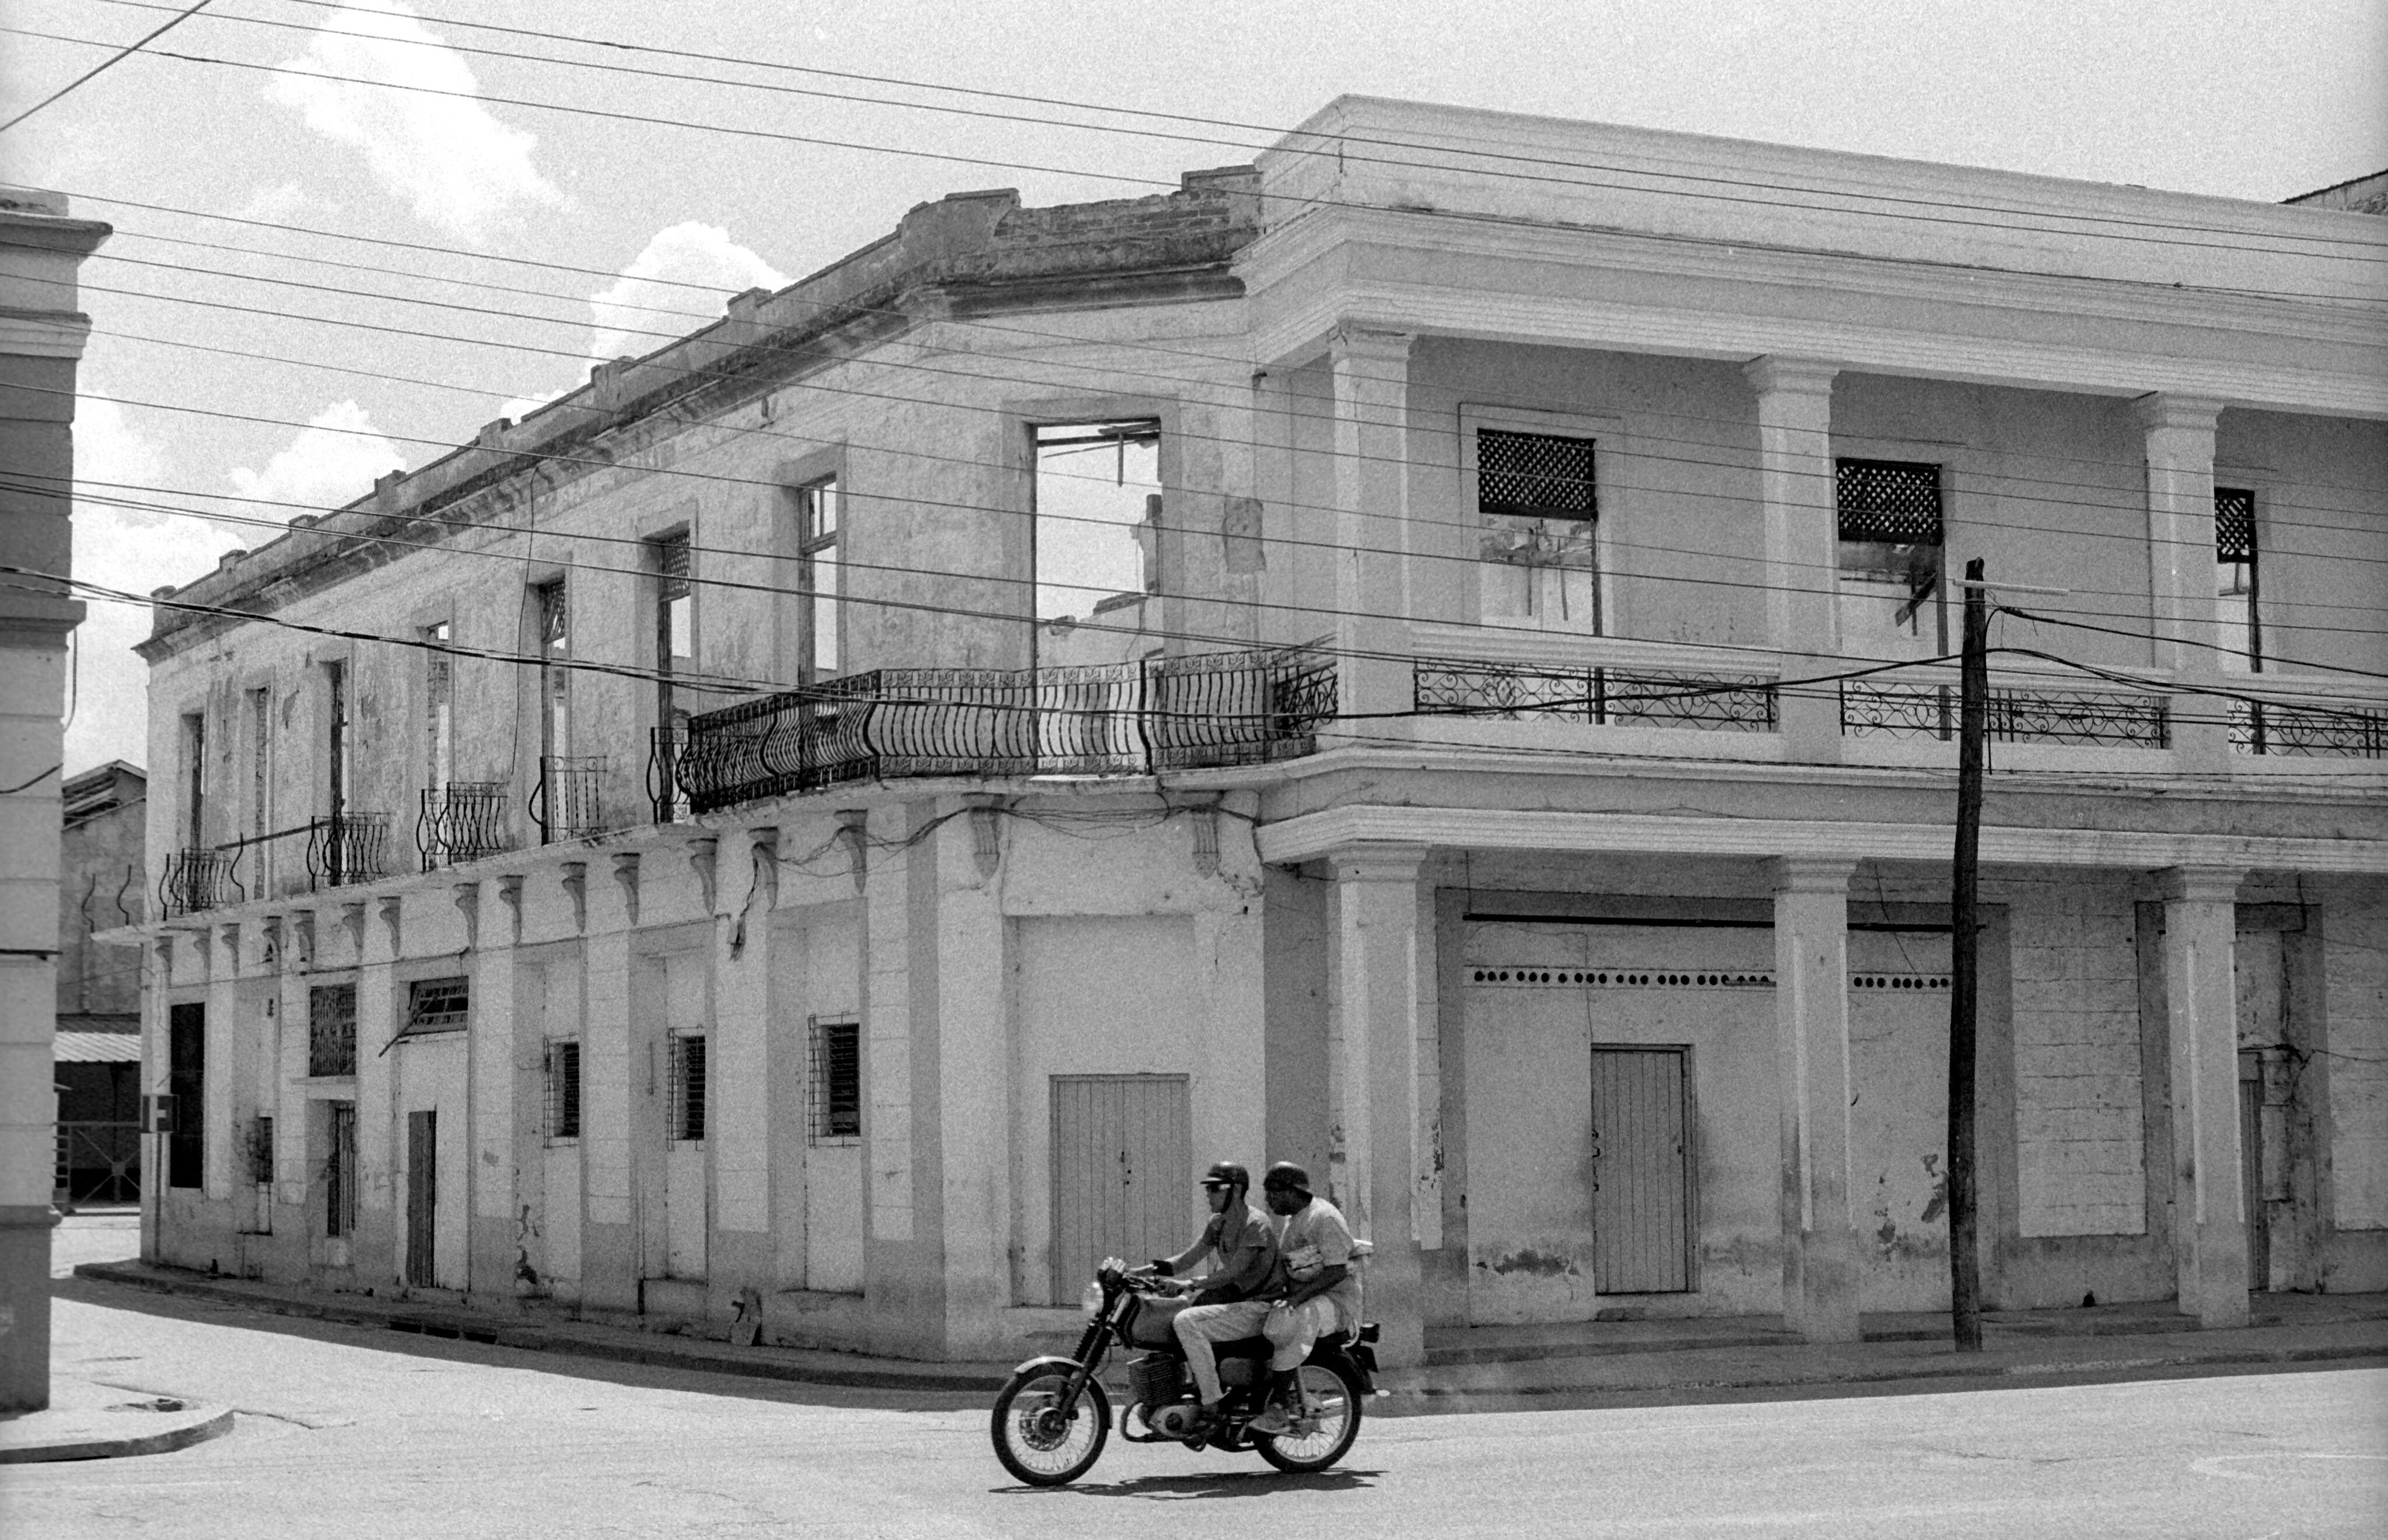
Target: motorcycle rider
1321 1293
1226 1304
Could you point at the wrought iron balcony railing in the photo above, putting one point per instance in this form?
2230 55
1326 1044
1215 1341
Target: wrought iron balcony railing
461 820
666 746
2314 732
346 848
1602 696
342 849
568 802
1159 713
199 880
2112 719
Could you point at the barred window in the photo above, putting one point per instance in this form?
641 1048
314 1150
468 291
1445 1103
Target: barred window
686 1114
2238 584
1891 599
561 1100
437 1005
332 1029
1533 476
834 1090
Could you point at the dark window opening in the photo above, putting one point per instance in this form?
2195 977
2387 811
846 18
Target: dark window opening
1534 475
438 1005
261 1151
186 1082
1538 504
340 1169
2238 586
563 1096
821 578
332 1029
834 1087
687 1110
1889 518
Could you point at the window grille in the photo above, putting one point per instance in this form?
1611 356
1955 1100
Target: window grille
687 1111
437 1005
834 1090
2234 524
671 563
561 1119
1533 476
332 1029
340 1169
1890 501
553 617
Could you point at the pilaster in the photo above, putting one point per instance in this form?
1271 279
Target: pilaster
1370 372
2202 1037
2179 443
1811 1040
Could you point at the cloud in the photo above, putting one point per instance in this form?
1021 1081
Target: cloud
333 460
461 166
625 314
273 205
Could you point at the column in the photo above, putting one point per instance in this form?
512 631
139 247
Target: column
1811 1049
2180 434
2202 1037
1377 1019
973 1082
1372 534
1794 488
497 1074
746 887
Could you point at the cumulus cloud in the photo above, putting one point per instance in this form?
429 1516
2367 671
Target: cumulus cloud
333 460
460 166
625 314
275 204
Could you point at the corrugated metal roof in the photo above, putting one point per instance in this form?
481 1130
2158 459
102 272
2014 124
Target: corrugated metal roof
97 1048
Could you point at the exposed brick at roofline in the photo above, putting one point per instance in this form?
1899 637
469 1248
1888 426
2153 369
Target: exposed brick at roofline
989 252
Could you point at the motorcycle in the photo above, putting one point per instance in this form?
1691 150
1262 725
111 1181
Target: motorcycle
1053 1416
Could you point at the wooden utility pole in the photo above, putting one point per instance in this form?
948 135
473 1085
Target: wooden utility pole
1972 708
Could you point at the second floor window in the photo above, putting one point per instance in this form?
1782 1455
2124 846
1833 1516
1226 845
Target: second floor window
336 737
194 780
821 578
2239 623
1095 544
1538 506
1891 604
554 646
439 711
675 619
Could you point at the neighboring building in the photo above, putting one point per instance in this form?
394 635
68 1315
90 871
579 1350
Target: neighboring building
771 903
103 879
42 336
2362 194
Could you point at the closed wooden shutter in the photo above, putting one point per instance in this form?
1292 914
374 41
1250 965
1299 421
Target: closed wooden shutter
1642 1191
1122 1172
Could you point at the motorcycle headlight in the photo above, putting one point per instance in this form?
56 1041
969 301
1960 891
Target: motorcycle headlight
1092 1300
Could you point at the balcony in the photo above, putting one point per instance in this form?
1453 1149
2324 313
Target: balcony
461 820
342 849
1206 711
2078 718
569 803
1599 696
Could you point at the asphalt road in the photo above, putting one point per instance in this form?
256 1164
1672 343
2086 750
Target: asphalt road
359 1432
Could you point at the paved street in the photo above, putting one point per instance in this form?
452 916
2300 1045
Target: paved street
360 1432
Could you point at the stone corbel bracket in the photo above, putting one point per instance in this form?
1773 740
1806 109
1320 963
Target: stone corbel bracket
986 833
393 915
269 940
767 865
509 893
576 887
229 936
468 903
626 877
302 938
703 855
165 948
1203 818
853 828
352 920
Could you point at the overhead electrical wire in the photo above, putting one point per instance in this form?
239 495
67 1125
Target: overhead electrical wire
113 60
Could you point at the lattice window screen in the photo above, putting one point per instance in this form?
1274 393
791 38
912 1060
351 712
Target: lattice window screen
1894 502
1534 475
833 1091
2234 524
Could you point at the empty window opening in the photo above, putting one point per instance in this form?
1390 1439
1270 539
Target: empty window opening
561 1100
821 579
1095 540
336 738
833 1090
194 780
2237 589
439 710
686 1114
675 618
1539 505
1891 599
261 785
186 1085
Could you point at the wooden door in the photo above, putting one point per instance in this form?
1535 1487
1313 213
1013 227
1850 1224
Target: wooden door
422 1196
1122 1172
1641 1201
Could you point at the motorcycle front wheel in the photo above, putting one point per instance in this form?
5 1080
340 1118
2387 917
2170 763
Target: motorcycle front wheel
1041 1440
1325 1435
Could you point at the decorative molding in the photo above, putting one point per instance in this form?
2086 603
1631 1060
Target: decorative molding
1349 339
765 854
2166 408
1315 835
576 887
1811 873
2200 884
986 833
269 940
468 903
703 853
509 893
1778 372
853 828
352 920
1204 822
1377 860
393 915
626 878
302 938
164 948
228 936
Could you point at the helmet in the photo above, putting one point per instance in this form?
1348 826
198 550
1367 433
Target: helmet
1227 1173
1285 1176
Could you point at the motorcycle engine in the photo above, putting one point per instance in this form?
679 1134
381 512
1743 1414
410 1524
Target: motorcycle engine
1173 1421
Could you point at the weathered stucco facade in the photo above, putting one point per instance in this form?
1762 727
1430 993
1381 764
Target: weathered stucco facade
1477 791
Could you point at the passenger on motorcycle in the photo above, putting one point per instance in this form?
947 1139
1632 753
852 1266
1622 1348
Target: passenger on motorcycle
1224 1307
1321 1293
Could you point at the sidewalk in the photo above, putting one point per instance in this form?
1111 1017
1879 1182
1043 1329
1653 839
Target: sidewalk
1485 1369
93 1422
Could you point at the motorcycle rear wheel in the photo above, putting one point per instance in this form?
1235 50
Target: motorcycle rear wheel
1042 1442
1329 1433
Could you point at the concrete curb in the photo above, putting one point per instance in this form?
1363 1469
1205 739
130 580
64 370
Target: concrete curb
193 1425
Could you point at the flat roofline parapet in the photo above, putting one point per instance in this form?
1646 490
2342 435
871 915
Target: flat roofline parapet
980 239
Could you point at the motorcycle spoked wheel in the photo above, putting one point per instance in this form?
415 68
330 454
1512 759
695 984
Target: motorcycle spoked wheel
1326 1437
1042 1442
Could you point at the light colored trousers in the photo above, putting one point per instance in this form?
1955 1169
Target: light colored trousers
1200 1325
1291 1331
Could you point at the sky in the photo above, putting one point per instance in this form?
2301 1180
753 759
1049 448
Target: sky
276 125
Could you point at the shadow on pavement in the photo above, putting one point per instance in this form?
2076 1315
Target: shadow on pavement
111 1296
1234 1483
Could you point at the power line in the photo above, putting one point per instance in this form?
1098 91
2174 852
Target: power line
112 60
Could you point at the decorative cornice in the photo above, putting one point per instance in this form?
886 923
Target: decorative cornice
1807 873
352 920
2170 409
765 854
986 833
1377 862
1776 374
302 936
1314 836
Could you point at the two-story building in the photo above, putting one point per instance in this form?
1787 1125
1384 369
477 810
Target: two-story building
1428 657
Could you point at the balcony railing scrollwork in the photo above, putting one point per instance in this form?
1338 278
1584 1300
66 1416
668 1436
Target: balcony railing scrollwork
196 880
569 800
2109 719
1600 696
346 848
1159 713
342 849
461 820
2309 732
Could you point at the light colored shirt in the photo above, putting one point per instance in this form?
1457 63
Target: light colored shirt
1310 1241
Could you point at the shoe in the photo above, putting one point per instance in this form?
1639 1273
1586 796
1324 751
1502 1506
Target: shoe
1271 1421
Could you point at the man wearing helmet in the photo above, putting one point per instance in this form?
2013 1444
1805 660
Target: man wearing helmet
1321 1293
1224 1307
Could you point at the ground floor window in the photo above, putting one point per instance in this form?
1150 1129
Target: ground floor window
186 1084
340 1169
687 1110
